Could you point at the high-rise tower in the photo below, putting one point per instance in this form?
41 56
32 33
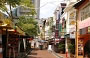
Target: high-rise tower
37 8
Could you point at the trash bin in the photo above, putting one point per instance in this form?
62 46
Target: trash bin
41 47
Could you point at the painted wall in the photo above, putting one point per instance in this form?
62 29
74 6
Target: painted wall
85 22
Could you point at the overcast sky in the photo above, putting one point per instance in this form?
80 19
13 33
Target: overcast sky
47 7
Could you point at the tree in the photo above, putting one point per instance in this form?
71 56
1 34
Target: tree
13 3
26 23
29 25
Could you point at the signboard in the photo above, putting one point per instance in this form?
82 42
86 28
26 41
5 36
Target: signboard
72 17
80 47
56 40
72 35
88 29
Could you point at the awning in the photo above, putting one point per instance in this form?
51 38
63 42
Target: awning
20 31
4 26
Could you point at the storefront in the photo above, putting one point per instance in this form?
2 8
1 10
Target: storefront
84 42
83 18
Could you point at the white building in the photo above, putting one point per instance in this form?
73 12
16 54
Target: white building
71 18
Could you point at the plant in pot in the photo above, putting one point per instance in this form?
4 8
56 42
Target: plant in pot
61 47
71 49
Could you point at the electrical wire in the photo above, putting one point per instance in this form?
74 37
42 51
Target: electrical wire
52 2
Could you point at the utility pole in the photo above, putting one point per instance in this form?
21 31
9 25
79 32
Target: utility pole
76 40
44 28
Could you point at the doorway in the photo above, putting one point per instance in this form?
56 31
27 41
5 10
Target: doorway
87 49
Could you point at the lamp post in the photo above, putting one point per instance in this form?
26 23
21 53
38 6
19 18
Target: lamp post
67 36
44 28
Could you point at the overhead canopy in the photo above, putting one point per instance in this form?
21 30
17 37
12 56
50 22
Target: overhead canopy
6 23
19 36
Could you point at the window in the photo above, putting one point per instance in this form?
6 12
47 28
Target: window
85 12
83 31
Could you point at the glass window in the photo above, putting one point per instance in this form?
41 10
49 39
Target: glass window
85 12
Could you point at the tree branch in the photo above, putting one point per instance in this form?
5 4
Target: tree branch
11 12
8 13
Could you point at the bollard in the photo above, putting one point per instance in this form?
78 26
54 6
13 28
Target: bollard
66 54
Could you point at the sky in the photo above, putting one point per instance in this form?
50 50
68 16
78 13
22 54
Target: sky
47 7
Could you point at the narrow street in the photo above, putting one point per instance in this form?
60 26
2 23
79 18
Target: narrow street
44 28
41 54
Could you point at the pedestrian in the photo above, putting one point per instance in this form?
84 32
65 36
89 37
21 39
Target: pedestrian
50 47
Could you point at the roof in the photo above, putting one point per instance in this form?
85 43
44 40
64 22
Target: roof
79 3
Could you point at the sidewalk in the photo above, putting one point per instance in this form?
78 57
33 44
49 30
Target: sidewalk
62 55
41 54
58 55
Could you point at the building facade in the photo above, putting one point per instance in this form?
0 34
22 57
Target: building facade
83 19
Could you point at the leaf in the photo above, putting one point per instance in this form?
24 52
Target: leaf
13 3
29 25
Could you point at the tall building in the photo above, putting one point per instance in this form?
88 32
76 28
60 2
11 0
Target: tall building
37 8
21 11
58 12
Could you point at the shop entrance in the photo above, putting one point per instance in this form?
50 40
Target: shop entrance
87 49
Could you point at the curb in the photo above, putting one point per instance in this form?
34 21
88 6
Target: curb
55 54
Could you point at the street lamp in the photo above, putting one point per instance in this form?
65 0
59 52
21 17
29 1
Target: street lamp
67 36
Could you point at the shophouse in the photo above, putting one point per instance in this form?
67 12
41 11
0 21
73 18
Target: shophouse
70 27
83 20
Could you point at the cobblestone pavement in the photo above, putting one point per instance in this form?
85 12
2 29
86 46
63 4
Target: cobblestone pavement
41 54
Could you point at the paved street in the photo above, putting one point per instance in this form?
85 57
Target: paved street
41 54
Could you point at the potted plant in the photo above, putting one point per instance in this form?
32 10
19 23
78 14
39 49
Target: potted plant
61 47
71 49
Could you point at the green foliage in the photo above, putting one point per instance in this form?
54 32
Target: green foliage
61 46
27 3
29 25
15 3
12 3
30 5
71 48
